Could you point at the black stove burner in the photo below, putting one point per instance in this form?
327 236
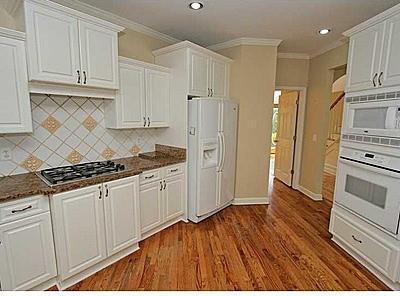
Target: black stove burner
65 174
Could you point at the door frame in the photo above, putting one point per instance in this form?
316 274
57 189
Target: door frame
301 112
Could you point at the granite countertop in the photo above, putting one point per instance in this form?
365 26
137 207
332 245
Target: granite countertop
29 184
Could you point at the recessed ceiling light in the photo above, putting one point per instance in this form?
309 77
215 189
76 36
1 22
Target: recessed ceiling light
324 31
196 5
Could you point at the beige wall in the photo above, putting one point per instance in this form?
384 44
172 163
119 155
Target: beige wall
317 119
292 72
6 20
252 86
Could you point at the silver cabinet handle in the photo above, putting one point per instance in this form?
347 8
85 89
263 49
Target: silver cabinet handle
212 92
106 190
357 240
144 119
373 79
165 185
173 171
100 193
84 77
209 92
79 76
149 177
161 187
21 210
148 119
380 79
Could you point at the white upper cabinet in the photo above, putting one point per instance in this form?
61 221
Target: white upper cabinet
99 56
142 100
208 76
69 47
15 113
373 60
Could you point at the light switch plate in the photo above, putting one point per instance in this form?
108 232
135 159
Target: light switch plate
5 154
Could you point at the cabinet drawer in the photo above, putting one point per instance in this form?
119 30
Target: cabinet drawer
173 170
150 176
14 210
370 247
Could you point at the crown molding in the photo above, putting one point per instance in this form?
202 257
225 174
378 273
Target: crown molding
330 47
111 17
4 32
373 21
293 55
245 41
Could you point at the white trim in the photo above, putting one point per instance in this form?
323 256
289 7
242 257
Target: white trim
191 45
245 41
4 32
301 115
330 47
330 169
373 21
309 193
293 55
134 62
241 201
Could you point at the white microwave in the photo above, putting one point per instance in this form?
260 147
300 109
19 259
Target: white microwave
378 118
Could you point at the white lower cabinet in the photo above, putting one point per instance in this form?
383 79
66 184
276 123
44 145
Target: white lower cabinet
27 257
163 199
93 223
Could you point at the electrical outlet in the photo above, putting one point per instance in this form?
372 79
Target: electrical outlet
139 141
5 153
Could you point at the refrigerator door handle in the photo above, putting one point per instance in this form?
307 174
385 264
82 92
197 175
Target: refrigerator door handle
223 152
220 152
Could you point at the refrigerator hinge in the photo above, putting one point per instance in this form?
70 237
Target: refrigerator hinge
192 131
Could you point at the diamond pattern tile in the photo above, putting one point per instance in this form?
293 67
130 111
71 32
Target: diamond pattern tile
51 124
32 163
74 157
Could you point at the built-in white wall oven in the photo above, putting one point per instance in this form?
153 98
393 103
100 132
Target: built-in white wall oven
368 183
375 118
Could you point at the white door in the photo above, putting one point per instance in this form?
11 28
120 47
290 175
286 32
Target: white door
173 197
78 218
131 97
157 98
52 46
199 74
121 202
27 253
219 78
284 151
364 59
390 75
150 197
229 144
99 56
15 114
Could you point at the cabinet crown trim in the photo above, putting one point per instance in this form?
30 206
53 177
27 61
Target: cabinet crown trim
190 45
4 32
128 61
373 21
245 41
76 13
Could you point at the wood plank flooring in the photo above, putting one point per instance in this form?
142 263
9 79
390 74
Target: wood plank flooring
283 246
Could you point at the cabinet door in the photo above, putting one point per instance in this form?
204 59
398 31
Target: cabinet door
219 78
364 59
174 194
121 214
78 218
150 206
199 74
99 56
27 253
157 98
15 114
52 45
391 59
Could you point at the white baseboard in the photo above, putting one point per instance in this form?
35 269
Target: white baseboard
330 169
310 194
241 201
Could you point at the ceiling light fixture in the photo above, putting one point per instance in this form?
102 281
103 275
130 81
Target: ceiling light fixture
196 5
324 31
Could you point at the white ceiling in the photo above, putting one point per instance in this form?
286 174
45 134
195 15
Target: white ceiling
294 21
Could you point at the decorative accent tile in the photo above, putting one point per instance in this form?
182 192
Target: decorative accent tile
135 150
74 157
90 123
51 124
32 163
108 153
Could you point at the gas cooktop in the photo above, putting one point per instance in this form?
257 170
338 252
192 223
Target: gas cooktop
67 174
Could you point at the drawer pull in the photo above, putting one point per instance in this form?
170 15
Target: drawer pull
149 177
174 170
21 210
357 240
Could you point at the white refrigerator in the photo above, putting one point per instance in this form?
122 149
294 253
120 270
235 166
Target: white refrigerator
212 156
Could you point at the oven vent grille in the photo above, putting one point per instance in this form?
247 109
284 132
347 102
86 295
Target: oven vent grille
373 140
376 97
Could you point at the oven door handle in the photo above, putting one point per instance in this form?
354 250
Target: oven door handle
370 168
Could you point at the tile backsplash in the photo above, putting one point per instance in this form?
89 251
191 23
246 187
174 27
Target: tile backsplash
69 130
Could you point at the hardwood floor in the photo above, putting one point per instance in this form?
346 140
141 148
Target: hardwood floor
283 246
328 186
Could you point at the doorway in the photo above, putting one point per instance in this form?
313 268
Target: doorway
284 135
